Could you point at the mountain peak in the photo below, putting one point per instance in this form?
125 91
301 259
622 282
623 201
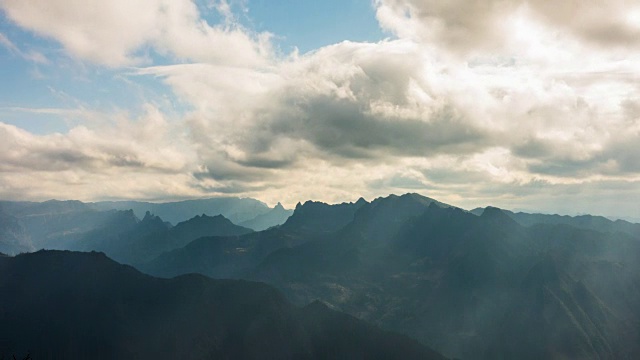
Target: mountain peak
278 206
316 216
206 219
147 216
497 215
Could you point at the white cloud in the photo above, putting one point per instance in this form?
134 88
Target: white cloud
474 100
118 32
91 159
489 25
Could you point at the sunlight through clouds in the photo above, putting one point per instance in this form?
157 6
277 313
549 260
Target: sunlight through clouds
510 95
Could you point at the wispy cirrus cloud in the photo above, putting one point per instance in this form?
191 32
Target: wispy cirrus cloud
32 55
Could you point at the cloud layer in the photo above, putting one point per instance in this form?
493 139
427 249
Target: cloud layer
507 102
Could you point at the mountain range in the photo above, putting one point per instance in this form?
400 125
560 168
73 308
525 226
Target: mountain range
27 226
66 305
470 286
481 284
239 210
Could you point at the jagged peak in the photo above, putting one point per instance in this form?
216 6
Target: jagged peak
148 216
278 206
127 213
205 218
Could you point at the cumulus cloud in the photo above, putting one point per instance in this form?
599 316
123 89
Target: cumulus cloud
465 26
120 32
93 158
470 101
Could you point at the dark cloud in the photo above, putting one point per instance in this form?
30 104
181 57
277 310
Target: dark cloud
360 106
346 129
533 148
60 159
220 167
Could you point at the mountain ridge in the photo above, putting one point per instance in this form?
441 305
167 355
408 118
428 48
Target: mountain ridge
98 309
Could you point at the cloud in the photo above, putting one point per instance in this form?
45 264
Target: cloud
471 101
396 102
32 56
458 23
349 101
607 23
490 25
120 32
129 145
148 147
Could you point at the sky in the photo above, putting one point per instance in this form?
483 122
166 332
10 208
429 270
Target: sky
523 104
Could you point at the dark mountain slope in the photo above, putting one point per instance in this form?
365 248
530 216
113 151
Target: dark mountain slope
232 256
201 226
448 278
320 324
83 305
317 218
146 248
384 217
131 241
118 237
556 316
222 256
454 280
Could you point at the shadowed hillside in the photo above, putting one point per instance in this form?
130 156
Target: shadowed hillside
460 283
84 305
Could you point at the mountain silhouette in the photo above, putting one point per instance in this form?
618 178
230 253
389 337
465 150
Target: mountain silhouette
69 305
448 277
480 284
235 209
137 242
